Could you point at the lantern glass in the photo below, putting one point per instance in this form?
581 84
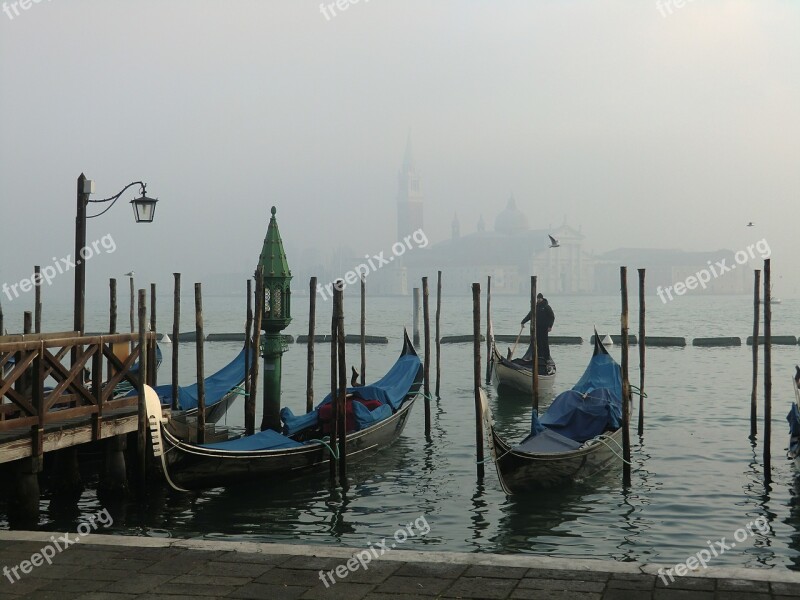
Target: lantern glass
144 209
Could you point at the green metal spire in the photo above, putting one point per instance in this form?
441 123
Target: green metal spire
273 258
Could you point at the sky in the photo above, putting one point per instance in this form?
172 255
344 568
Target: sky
647 124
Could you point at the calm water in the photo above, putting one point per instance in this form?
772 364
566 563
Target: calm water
696 475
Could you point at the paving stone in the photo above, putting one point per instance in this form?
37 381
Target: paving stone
670 594
193 591
620 594
101 574
640 582
496 572
53 571
420 586
21 587
281 576
531 594
230 569
137 584
110 596
480 587
376 572
260 591
419 569
54 595
132 565
343 591
218 580
258 558
314 563
74 585
688 583
567 574
561 585
742 585
742 596
379 596
785 589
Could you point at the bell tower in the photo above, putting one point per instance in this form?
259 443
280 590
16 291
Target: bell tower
409 198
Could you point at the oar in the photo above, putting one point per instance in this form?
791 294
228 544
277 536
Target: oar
511 352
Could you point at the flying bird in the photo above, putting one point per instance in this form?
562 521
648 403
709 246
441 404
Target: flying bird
131 274
750 224
553 242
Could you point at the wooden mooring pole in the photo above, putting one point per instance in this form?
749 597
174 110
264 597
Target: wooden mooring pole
767 373
756 319
626 393
141 439
312 317
37 307
415 317
476 374
201 382
112 308
176 334
153 327
249 400
642 347
133 300
363 331
534 347
334 437
341 397
438 329
426 385
488 329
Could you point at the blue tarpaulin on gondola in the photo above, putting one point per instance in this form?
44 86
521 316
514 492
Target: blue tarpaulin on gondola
591 407
794 429
390 390
217 386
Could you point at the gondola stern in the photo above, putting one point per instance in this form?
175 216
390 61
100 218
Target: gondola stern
408 347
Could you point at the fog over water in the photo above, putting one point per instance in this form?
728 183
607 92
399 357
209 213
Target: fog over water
645 124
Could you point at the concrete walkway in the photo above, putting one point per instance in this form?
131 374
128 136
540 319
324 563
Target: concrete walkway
103 567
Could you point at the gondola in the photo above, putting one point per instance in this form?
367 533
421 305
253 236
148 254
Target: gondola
516 375
379 413
794 420
221 390
579 435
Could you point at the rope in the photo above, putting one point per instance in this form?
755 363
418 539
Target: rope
240 391
331 450
602 440
637 390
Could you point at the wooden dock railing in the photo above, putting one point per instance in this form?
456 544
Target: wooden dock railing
38 389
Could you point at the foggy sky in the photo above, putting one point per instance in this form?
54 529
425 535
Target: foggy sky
645 130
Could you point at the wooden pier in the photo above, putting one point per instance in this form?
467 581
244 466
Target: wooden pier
61 390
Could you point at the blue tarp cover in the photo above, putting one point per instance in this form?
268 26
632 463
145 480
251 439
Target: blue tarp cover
794 429
389 390
217 386
593 405
263 440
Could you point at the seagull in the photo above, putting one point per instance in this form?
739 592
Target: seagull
131 274
750 224
553 242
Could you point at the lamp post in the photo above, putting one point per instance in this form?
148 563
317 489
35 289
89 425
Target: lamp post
276 317
143 209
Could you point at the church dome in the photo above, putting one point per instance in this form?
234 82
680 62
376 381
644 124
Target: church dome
511 220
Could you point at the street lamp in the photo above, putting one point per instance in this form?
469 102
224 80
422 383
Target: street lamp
144 209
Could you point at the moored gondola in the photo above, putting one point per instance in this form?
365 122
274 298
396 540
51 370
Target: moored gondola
517 375
376 414
577 437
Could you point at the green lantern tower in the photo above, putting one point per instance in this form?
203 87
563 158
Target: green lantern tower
276 317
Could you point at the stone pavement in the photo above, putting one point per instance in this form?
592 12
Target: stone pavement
103 567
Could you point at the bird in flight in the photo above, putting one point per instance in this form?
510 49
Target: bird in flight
553 242
131 274
750 224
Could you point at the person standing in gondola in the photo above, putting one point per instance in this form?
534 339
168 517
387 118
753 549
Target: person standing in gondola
544 323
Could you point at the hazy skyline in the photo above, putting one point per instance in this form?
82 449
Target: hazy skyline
645 130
